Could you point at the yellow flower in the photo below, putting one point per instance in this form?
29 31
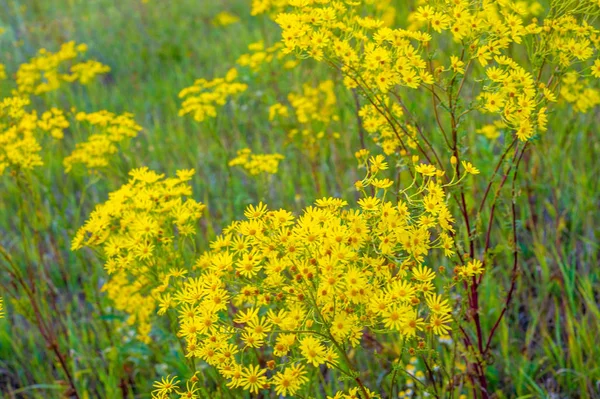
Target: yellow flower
438 304
469 168
225 18
202 99
423 273
438 323
312 350
256 164
457 65
382 183
290 380
394 317
164 387
596 69
426 169
369 203
253 379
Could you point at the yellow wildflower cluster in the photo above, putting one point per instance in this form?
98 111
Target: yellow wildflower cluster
569 40
579 93
204 97
472 268
336 32
315 103
168 385
492 130
225 18
109 130
260 55
256 164
354 393
314 111
304 290
47 71
19 146
139 230
513 95
54 122
23 132
381 60
388 131
134 298
272 7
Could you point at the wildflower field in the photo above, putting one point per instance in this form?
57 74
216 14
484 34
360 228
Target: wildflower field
346 199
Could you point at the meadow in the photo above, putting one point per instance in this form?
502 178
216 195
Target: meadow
299 198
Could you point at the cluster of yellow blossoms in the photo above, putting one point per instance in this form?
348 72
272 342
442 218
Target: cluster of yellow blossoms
47 71
109 130
24 133
389 131
204 97
54 122
19 146
492 130
381 60
314 112
577 91
292 292
337 33
273 8
315 103
225 18
255 164
268 6
259 56
141 231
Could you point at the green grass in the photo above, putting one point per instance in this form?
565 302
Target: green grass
547 346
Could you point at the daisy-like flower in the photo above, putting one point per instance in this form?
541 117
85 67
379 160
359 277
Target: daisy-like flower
253 378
